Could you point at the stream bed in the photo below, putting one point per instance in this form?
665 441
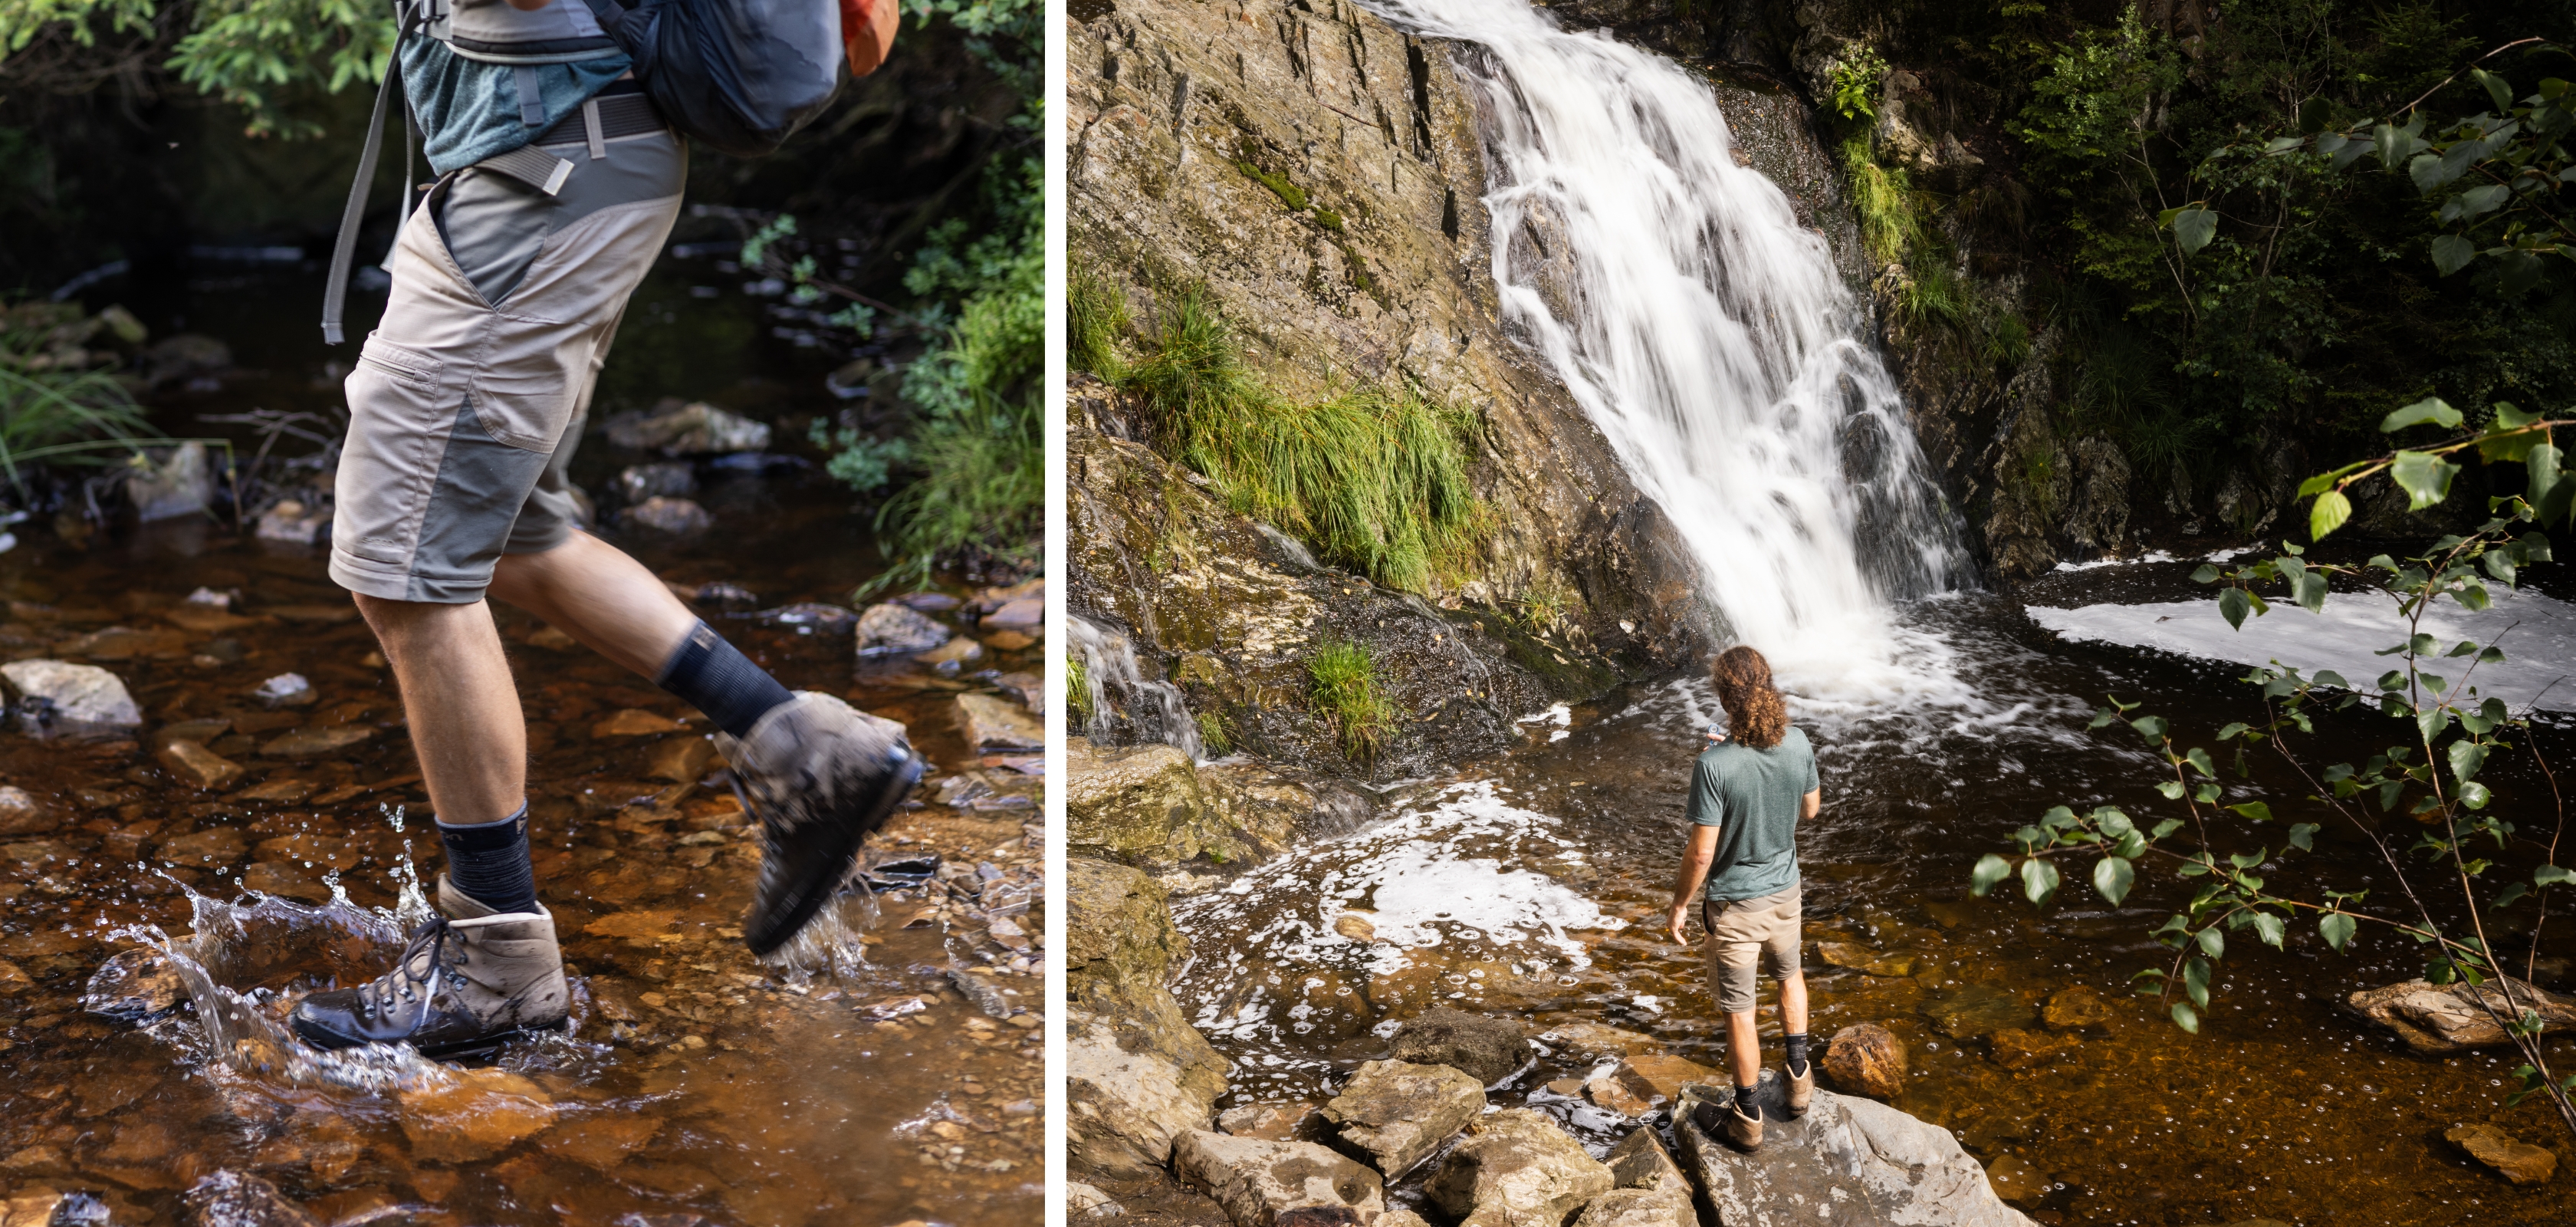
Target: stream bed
891 1073
1533 886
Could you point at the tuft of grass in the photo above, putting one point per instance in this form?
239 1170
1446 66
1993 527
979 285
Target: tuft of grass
55 406
1096 320
1545 603
1077 691
1374 479
1214 736
1344 689
1883 197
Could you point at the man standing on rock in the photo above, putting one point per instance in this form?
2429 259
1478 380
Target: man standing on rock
463 413
1748 794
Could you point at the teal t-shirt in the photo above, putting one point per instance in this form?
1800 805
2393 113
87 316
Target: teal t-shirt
469 110
1752 797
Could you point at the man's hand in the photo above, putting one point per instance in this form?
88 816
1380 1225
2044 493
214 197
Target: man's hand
1680 916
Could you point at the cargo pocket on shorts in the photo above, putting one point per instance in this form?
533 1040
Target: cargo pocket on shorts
400 414
531 378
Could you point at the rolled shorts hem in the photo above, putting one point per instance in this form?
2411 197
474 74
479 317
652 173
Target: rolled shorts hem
1744 934
389 583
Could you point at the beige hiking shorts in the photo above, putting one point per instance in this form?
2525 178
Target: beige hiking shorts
1744 931
470 394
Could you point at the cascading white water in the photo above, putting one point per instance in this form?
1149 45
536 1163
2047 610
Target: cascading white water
1115 687
1709 337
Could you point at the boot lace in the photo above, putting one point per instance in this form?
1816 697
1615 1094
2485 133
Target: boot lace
415 977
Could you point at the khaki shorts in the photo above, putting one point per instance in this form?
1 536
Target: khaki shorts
469 396
1743 931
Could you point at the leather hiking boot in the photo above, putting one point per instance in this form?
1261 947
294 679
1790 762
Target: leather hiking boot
470 980
822 776
1802 1088
1723 1120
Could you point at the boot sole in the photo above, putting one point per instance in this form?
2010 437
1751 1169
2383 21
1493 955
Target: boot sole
824 853
479 1046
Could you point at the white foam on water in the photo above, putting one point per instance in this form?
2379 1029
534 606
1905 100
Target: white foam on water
2539 647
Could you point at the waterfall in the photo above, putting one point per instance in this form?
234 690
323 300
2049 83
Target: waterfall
1708 336
1118 693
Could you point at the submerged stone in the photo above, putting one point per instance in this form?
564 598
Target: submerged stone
479 1114
1487 1049
59 692
891 629
1977 1010
316 743
2517 1161
1866 1059
234 1199
2441 1019
134 985
676 516
992 723
285 690
22 814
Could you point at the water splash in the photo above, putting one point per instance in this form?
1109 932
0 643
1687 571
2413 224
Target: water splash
1118 691
1709 337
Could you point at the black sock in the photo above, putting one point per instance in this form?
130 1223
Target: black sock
716 678
1798 1055
489 862
1744 1102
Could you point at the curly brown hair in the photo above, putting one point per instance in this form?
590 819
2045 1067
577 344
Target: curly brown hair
1755 716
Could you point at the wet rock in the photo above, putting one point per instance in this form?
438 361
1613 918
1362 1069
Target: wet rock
2439 1019
1271 1122
1848 1162
1488 1049
643 482
232 1199
22 814
285 690
78 696
184 355
1085 1201
889 629
953 655
732 598
33 1159
480 1113
634 722
1640 1165
1585 1039
197 766
134 985
13 978
2015 1048
2072 1009
1136 1073
602 1141
1399 1113
1356 926
285 881
664 514
682 760
1026 615
213 846
693 429
1976 1010
2016 1181
1028 688
166 483
48 1208
1142 804
1640 1084
994 724
1259 1182
294 521
1866 1059
1516 1166
1863 959
316 743
1636 1208
2516 1161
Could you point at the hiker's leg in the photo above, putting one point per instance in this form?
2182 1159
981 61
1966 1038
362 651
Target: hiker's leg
1743 1048
1793 1004
599 595
461 706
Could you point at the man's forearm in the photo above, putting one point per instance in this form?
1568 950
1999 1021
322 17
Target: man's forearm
1686 884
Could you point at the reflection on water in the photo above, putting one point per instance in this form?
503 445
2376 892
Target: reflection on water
1535 886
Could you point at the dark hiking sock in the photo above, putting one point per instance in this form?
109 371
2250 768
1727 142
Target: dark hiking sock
1744 1102
489 862
1798 1055
716 678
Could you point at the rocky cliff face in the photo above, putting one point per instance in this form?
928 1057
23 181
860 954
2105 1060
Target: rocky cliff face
1320 173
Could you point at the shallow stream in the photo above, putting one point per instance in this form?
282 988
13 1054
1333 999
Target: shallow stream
893 1074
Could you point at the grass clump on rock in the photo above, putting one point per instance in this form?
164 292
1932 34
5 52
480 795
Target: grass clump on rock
1374 478
1344 688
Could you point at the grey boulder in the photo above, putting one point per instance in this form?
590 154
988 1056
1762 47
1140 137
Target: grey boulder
1517 1167
1267 1184
1398 1114
1848 1162
1490 1049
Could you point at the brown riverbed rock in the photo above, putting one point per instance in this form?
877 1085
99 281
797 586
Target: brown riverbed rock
893 630
1270 1122
2016 1181
1866 1059
2440 1019
1588 1039
1143 805
1517 1166
634 722
316 742
233 1199
1399 1113
201 849
286 880
2516 1161
1136 1073
198 767
995 724
1860 958
1636 1208
1870 1162
2020 1049
1655 1080
2073 1009
1488 1049
22 814
1260 1182
481 1113
1640 1165
1973 1011
601 1141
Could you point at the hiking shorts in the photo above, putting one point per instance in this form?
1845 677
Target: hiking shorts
1742 932
470 395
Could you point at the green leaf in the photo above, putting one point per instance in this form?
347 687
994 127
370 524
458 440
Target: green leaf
2337 929
2303 836
2466 757
2150 727
2232 605
2269 928
2311 591
2511 892
2507 441
2498 566
2425 477
2431 409
2206 574
2497 91
2552 875
2194 228
2199 760
2231 732
2213 942
2255 810
2195 978
2184 1018
2475 795
2038 879
2166 827
1990 870
2112 877
2552 494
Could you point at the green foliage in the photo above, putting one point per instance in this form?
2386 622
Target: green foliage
1096 322
1856 81
1375 478
58 404
1077 690
1343 687
2445 732
1215 736
256 54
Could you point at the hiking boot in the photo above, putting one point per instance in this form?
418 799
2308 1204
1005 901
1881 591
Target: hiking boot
1725 1120
822 776
1802 1088
470 980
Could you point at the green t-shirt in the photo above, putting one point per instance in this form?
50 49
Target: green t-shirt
1752 797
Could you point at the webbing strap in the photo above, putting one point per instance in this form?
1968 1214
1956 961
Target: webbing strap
335 292
532 102
590 131
532 166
